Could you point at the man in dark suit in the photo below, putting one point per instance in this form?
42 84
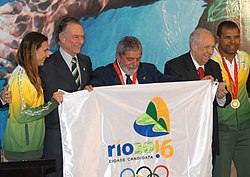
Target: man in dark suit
56 74
187 65
127 68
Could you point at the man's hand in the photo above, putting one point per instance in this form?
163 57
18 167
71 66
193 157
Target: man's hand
208 77
222 91
6 95
58 96
88 87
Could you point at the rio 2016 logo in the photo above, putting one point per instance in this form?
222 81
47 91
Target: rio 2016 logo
154 123
149 174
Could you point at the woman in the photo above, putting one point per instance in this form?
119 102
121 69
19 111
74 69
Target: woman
25 129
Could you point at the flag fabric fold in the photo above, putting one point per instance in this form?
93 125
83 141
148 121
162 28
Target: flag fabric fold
138 130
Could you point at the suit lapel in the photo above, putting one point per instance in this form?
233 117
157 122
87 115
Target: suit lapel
208 68
63 70
115 78
191 70
141 75
83 71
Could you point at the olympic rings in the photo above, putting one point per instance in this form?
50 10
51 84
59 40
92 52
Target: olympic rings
126 170
151 174
154 174
163 166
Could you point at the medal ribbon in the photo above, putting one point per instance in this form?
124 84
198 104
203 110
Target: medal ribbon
120 74
233 84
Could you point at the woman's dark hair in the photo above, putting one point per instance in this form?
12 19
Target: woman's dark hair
26 57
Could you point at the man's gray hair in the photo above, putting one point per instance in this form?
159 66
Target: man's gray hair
195 36
128 43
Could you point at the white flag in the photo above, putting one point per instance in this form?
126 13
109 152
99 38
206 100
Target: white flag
160 130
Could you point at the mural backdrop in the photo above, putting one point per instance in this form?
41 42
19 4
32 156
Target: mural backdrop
163 26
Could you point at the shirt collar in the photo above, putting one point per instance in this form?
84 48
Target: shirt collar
216 53
66 56
195 62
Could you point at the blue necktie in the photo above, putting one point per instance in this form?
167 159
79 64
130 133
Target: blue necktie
128 80
75 72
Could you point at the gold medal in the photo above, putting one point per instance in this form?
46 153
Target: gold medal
235 103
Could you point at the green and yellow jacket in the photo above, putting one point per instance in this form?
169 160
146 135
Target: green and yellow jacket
25 130
231 119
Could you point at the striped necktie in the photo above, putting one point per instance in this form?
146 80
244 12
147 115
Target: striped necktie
75 72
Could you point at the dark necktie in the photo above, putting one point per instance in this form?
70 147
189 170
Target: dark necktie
201 72
75 72
128 80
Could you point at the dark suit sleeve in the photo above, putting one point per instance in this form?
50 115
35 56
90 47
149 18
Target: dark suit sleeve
153 75
88 64
213 69
89 72
216 73
97 78
228 99
170 69
163 77
1 104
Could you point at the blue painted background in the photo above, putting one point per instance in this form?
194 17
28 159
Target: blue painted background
163 28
